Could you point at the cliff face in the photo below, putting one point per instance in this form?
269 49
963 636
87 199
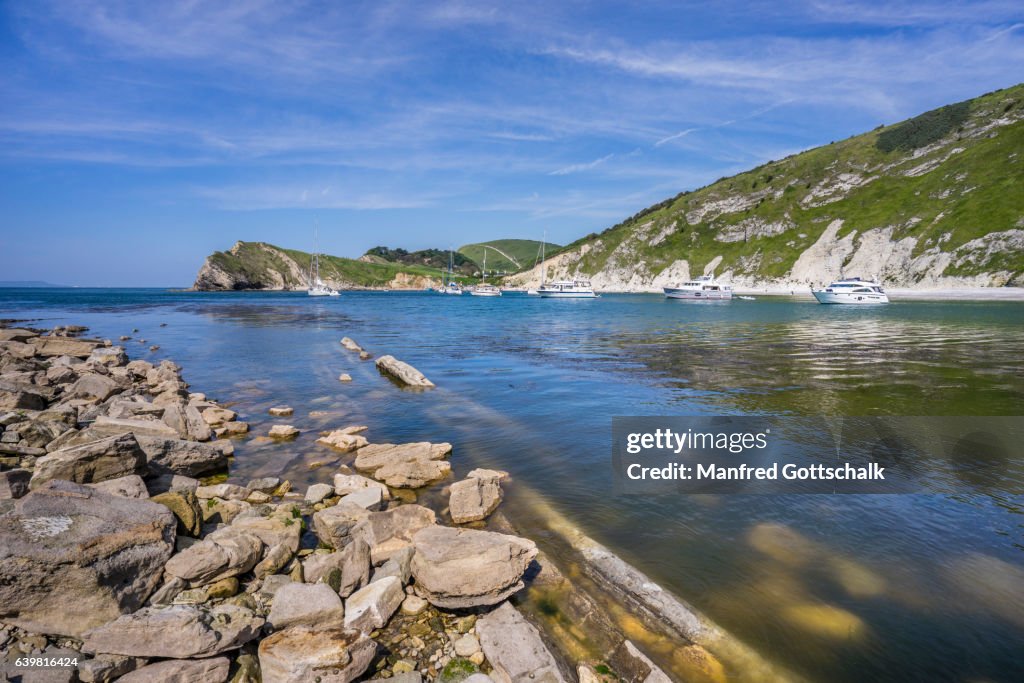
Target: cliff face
935 201
256 265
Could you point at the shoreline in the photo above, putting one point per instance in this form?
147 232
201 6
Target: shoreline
131 431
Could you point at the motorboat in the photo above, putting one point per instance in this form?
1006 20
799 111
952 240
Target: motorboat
704 288
851 290
567 289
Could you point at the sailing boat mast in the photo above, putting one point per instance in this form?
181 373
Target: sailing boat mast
543 266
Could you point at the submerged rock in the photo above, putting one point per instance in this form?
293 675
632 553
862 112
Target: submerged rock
475 497
72 558
514 648
457 568
403 372
283 432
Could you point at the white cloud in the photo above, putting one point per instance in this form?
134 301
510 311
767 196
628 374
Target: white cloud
576 168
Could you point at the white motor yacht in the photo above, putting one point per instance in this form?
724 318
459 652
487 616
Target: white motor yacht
485 290
704 288
852 290
567 289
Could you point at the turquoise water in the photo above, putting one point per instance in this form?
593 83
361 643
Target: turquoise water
838 588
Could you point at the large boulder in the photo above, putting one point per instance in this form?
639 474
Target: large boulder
175 456
176 632
72 558
409 465
403 372
302 654
138 426
187 422
334 525
209 670
92 385
457 568
389 532
306 604
475 497
226 552
110 458
514 648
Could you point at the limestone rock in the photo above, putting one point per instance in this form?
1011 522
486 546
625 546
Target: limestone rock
352 565
334 525
350 344
474 498
209 670
176 632
57 346
301 654
344 484
131 486
185 507
225 491
344 377
14 483
368 499
281 411
226 552
403 372
514 648
409 465
109 458
72 558
343 440
275 560
456 568
371 606
283 432
140 427
306 604
317 492
389 532
176 456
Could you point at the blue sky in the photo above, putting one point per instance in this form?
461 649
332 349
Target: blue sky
136 137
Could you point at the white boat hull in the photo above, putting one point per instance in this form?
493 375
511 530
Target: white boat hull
532 292
567 295
705 295
485 293
824 297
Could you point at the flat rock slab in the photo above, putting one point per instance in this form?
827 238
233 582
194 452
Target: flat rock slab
403 372
72 558
110 458
140 427
408 465
343 440
344 484
209 670
57 346
301 654
177 456
371 606
306 604
176 632
515 649
457 568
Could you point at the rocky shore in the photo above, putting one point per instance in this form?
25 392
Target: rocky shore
124 554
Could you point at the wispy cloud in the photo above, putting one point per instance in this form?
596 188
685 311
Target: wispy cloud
576 168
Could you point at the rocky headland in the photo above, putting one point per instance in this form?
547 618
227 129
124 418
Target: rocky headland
125 550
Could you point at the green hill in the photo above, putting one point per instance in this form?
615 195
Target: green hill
257 265
506 255
430 258
937 200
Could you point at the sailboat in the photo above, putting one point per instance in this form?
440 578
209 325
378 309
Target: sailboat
484 289
317 287
540 254
450 285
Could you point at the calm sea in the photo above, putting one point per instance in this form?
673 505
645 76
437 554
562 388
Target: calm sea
839 588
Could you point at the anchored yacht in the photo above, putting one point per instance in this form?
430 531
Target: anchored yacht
852 290
484 289
704 288
567 289
318 287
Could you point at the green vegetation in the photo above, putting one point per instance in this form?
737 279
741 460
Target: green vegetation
923 130
506 255
257 265
966 186
430 258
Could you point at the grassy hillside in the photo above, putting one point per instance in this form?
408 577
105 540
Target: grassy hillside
933 184
430 258
506 255
257 265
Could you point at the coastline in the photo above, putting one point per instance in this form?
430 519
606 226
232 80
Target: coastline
131 430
